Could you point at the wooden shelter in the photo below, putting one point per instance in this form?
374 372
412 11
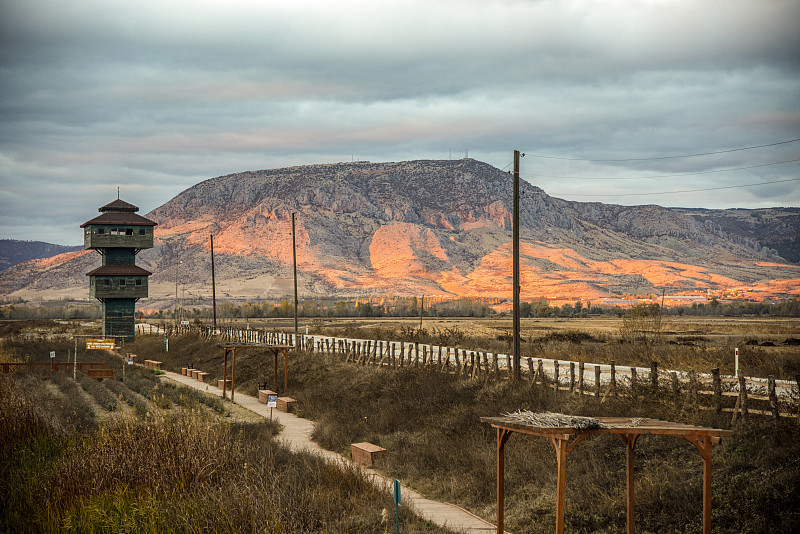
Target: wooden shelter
567 431
232 347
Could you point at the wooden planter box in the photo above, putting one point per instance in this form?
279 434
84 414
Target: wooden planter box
227 384
366 453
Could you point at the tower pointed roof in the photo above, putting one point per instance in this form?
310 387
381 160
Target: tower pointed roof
119 205
120 212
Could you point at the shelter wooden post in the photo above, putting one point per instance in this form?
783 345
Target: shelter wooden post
285 370
275 354
560 444
233 373
703 444
502 438
224 372
630 443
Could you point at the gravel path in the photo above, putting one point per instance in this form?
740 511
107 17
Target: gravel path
297 436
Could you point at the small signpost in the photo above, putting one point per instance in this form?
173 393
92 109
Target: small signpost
397 505
52 354
272 402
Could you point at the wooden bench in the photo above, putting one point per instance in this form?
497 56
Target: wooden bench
185 371
101 373
193 373
201 376
286 404
152 364
263 393
366 453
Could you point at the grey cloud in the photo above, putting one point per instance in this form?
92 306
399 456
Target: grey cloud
167 94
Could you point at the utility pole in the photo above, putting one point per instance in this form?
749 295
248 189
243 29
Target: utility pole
421 308
177 319
213 286
515 253
294 264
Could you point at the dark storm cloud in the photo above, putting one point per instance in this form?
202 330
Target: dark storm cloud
97 94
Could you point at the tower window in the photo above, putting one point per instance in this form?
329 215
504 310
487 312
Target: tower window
142 231
128 231
106 282
138 282
101 231
122 282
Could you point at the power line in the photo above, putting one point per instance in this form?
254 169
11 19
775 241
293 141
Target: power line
667 157
663 175
673 192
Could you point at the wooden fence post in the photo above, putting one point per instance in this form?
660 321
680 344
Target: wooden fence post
717 385
555 375
797 379
597 381
581 367
743 396
531 371
676 388
571 377
654 375
633 380
445 364
691 398
540 372
495 365
613 378
773 398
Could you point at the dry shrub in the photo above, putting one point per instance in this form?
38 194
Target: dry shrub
176 471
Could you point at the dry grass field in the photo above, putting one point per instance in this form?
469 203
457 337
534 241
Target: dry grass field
428 421
138 454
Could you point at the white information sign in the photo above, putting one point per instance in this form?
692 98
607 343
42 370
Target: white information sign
272 401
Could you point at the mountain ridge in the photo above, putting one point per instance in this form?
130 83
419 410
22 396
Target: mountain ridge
432 227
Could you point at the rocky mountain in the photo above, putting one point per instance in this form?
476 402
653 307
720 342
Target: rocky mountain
433 228
13 252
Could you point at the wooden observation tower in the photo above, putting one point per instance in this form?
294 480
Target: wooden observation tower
118 234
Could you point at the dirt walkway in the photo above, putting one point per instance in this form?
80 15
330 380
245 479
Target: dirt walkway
297 436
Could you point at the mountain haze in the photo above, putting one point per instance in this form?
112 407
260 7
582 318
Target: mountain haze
432 228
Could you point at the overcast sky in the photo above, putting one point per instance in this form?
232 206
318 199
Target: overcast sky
157 95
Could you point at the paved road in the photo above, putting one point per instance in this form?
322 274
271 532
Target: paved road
296 435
